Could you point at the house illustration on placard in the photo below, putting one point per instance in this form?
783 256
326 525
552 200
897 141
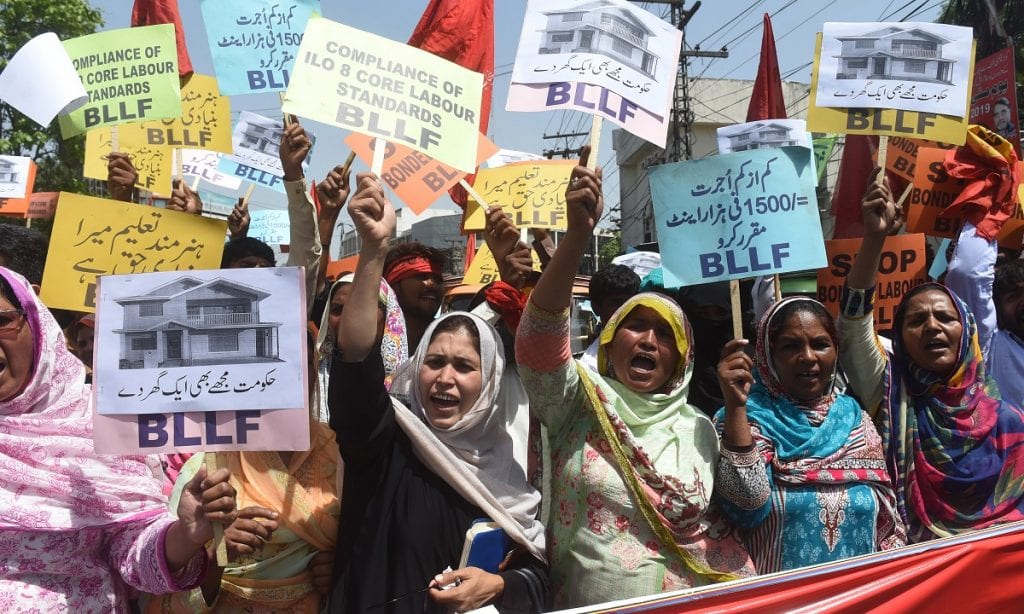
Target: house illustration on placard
9 172
910 54
599 27
761 135
264 137
189 322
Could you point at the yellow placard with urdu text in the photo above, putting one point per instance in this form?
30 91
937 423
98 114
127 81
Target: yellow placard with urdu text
483 269
153 162
205 121
366 83
892 122
533 193
96 236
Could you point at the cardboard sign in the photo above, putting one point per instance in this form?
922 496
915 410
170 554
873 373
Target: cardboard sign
154 163
365 83
14 176
19 206
131 75
737 215
254 43
42 205
483 269
204 164
901 155
994 96
256 143
532 193
933 190
271 227
417 180
901 269
97 237
205 121
252 175
41 81
612 44
892 122
201 341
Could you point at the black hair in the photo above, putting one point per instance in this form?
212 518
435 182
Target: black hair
613 280
404 250
236 249
7 292
1003 101
813 308
24 251
456 323
1009 277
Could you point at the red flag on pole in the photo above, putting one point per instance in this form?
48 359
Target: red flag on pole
854 169
154 12
766 101
470 252
461 31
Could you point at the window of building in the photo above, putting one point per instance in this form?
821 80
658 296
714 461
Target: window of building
858 63
223 342
916 66
621 46
572 17
561 37
865 44
145 341
148 310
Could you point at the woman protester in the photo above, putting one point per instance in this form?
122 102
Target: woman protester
633 464
802 468
954 448
416 478
78 531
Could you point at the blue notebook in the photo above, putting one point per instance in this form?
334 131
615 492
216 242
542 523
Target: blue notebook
485 547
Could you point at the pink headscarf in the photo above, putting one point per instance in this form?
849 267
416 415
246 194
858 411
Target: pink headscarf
50 478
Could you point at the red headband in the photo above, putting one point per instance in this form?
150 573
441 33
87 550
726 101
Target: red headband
407 267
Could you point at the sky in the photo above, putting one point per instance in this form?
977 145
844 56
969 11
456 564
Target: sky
717 23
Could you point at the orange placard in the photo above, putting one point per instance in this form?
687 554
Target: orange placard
417 179
901 154
42 204
18 207
902 268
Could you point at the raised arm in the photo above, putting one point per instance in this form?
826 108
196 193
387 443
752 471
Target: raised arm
879 213
374 218
971 273
331 193
584 204
303 238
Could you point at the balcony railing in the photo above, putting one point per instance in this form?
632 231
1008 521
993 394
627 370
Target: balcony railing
221 319
914 52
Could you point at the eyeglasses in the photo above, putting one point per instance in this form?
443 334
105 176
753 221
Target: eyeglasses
10 319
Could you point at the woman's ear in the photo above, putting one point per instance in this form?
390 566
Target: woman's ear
35 288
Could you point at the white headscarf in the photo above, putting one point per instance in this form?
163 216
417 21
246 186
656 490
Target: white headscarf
475 455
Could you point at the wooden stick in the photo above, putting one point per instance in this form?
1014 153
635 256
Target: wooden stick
287 117
883 146
348 163
524 235
179 165
220 546
379 146
737 309
28 222
904 195
777 284
474 194
595 141
248 195
115 141
195 183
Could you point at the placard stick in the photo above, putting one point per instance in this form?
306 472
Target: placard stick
179 166
904 195
595 141
115 142
348 163
28 222
248 195
287 117
777 285
195 183
883 145
737 310
220 546
379 146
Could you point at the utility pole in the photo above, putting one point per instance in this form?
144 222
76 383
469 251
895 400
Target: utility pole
566 152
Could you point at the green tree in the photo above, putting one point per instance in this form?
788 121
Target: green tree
610 249
60 162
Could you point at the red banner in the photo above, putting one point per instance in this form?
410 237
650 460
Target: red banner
994 96
977 572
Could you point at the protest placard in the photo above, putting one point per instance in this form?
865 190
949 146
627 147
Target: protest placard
901 269
532 193
217 206
205 121
204 164
591 99
18 207
761 134
612 44
41 81
737 215
994 96
201 341
242 172
365 83
131 75
42 205
911 66
417 180
153 162
254 43
509 156
483 269
257 142
17 176
271 227
933 190
98 236
902 155
885 121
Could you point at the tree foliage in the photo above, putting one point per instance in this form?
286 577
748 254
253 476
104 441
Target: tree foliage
60 162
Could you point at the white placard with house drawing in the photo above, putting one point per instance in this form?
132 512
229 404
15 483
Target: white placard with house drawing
201 341
894 65
256 141
14 176
764 134
609 43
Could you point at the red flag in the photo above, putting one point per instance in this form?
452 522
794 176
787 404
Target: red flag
461 31
470 252
766 101
854 169
154 12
